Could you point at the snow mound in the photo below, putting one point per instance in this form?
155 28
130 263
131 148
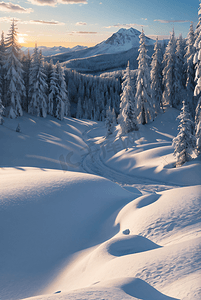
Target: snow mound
141 290
46 216
130 245
169 216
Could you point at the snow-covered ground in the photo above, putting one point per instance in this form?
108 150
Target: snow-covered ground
129 230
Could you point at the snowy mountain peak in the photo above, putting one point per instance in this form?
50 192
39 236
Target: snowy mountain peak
127 38
129 31
123 40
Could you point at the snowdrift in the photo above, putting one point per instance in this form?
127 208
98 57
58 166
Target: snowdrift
45 217
72 235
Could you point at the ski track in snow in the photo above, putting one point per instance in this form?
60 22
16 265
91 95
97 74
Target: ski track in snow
93 164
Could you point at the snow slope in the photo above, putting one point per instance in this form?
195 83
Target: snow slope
47 216
122 40
131 233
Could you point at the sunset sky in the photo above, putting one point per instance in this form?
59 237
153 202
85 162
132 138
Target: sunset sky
88 22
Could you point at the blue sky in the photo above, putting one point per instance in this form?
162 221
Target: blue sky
88 22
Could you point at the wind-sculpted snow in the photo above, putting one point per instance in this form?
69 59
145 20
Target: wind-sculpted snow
141 290
47 216
131 233
130 245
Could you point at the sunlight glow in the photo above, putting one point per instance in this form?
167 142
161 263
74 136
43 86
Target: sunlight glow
21 40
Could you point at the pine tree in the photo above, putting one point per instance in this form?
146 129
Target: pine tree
198 126
169 61
2 69
62 97
79 113
38 85
127 117
184 142
197 56
179 83
145 110
14 74
198 27
190 71
156 78
1 111
26 63
110 121
53 90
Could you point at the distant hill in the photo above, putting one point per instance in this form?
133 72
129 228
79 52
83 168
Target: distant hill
47 51
98 64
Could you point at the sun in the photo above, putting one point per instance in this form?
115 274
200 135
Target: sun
21 40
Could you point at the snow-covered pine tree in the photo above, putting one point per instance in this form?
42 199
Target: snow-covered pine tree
184 142
179 83
38 85
145 110
53 90
190 71
90 108
197 56
169 60
156 78
14 74
198 126
26 63
62 93
110 121
2 69
125 81
85 108
79 113
127 117
1 110
198 26
1 113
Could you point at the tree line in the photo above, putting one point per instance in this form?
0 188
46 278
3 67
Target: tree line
27 83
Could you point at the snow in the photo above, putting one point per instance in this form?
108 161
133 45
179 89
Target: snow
122 40
128 230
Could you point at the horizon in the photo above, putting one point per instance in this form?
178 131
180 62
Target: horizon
69 23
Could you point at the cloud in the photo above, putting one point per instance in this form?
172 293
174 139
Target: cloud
82 32
172 21
10 7
74 1
126 25
46 22
100 3
80 23
144 19
44 2
37 22
55 2
8 19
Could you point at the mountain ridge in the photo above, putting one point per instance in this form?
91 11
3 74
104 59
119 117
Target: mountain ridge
110 54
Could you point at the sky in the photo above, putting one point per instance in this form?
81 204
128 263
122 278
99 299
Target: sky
87 22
